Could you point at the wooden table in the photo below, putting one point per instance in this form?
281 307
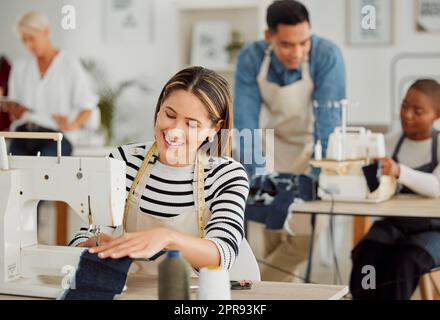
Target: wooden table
145 288
398 206
405 205
140 287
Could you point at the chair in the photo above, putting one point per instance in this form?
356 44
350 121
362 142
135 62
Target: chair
429 285
361 225
245 266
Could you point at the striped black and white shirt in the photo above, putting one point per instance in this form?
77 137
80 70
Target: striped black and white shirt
169 192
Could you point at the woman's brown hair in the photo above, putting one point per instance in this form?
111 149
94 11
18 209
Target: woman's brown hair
213 91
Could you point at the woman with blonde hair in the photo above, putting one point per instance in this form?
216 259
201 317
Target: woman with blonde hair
49 92
184 192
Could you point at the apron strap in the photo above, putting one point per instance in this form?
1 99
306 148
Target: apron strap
434 147
199 193
136 180
264 69
268 51
306 70
199 189
397 148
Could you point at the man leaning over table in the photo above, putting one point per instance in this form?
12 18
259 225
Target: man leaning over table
276 82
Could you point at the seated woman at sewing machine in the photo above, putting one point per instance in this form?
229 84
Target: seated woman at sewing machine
403 249
164 177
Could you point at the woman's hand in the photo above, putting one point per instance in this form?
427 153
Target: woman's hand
390 167
14 109
137 245
63 122
91 242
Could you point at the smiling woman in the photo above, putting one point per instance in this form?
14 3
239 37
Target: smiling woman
187 114
165 177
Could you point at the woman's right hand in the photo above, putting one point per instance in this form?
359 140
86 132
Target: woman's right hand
390 167
91 242
14 109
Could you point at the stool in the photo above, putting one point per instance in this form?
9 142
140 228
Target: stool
429 285
361 225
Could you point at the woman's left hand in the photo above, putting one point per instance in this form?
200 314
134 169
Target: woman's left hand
63 122
137 245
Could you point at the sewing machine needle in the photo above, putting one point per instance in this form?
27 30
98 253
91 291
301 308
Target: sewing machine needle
98 235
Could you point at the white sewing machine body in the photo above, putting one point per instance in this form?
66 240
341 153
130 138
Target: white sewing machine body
355 143
93 187
341 177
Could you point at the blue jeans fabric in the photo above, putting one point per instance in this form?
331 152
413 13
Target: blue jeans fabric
271 195
98 279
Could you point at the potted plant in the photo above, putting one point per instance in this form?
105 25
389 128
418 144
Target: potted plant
234 46
108 94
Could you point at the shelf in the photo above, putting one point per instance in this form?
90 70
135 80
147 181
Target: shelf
217 5
244 16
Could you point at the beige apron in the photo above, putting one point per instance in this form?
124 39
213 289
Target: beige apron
189 222
288 110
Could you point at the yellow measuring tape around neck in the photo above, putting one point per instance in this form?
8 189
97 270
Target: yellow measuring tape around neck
200 205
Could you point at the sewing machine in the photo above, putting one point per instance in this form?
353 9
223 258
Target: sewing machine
342 177
93 187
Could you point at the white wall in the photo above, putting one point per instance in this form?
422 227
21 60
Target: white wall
368 69
155 62
87 40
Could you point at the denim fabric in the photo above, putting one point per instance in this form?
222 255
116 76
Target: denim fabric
98 279
270 197
327 70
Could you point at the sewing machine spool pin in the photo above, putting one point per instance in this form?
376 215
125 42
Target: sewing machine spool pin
4 163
